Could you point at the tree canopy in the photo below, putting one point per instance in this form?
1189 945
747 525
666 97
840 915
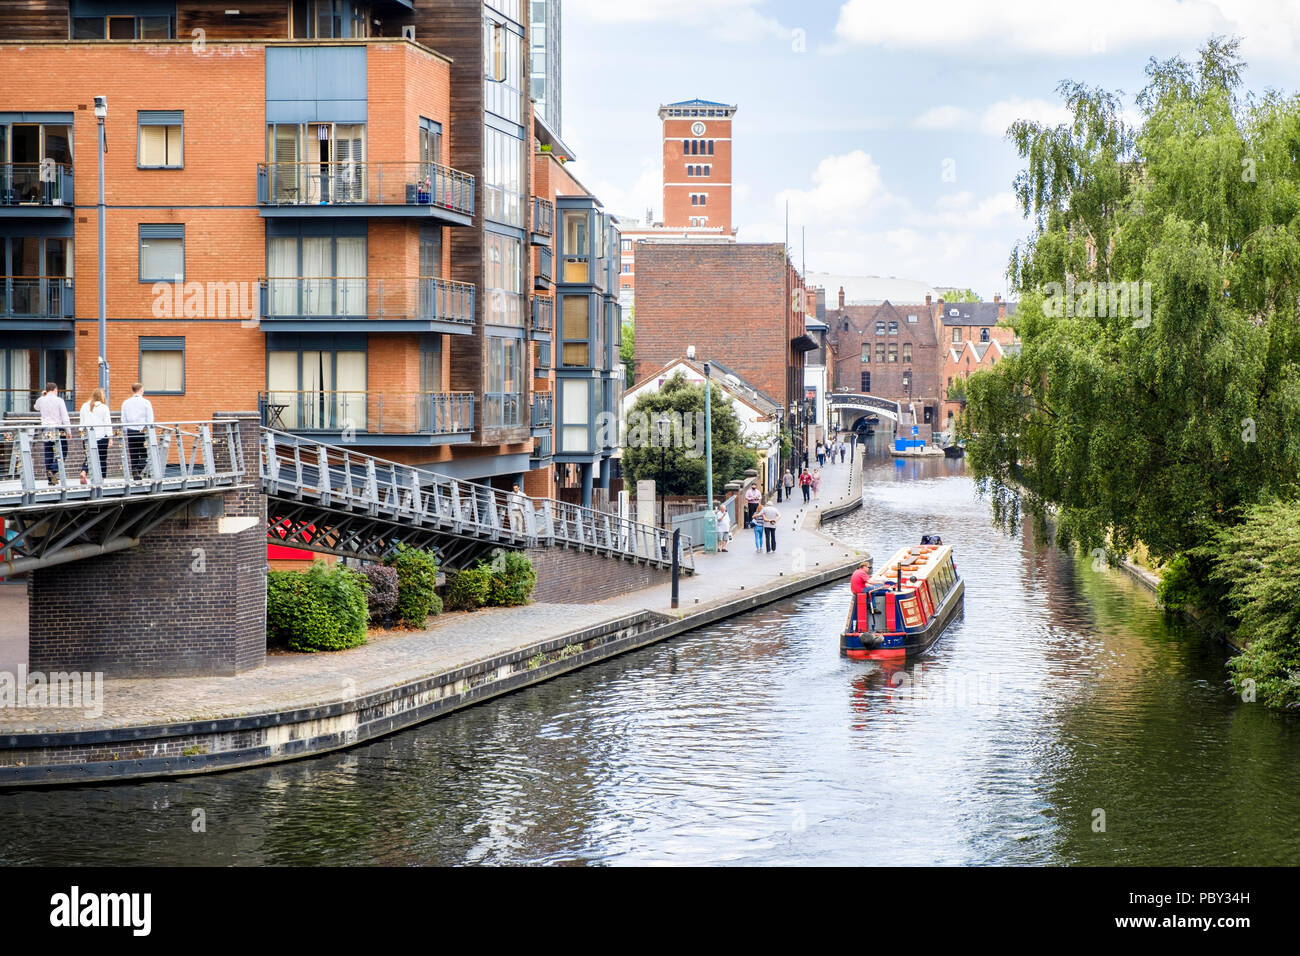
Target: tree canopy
1162 415
682 404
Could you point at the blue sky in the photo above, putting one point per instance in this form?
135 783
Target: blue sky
881 122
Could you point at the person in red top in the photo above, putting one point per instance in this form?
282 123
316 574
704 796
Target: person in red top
858 585
805 482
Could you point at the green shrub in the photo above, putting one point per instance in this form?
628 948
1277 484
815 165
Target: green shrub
417 576
468 590
323 609
1178 589
513 578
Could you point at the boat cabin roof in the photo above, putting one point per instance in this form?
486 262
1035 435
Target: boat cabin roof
918 561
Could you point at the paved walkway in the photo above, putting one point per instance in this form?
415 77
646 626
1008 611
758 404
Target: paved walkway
390 659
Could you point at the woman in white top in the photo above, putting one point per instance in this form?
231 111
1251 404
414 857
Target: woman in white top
724 527
97 423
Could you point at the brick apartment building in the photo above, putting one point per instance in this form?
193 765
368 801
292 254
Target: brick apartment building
891 351
973 339
343 188
740 304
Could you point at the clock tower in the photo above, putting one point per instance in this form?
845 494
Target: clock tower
697 165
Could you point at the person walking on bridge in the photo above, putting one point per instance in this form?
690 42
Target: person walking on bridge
54 419
137 413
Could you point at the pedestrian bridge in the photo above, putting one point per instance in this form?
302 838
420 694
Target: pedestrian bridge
862 404
319 497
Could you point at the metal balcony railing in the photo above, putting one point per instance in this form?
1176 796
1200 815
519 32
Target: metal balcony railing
543 314
543 446
543 409
382 297
543 216
545 266
41 297
35 184
369 413
364 183
501 410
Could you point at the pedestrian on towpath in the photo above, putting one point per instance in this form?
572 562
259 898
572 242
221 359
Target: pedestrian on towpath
770 518
724 527
843 448
757 525
805 483
788 481
817 483
753 498
821 454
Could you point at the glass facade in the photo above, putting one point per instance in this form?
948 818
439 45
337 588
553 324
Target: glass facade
544 33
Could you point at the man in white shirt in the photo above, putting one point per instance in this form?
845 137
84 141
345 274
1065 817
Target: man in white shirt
54 418
137 411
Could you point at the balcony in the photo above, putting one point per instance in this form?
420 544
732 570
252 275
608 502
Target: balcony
35 302
372 418
36 190
543 450
545 275
543 221
543 411
366 304
424 190
543 318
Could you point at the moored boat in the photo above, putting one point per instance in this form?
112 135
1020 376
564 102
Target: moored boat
905 606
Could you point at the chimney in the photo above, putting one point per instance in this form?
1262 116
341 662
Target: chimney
841 297
927 303
1002 307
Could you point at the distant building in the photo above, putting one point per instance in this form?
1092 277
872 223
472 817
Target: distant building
697 184
740 304
890 351
973 340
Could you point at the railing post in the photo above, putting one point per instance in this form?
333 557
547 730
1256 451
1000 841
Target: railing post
372 487
269 466
25 462
323 480
151 449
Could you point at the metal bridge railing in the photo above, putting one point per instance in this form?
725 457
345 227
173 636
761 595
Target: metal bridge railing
43 464
340 480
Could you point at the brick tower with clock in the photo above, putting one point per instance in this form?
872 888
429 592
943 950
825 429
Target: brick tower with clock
697 165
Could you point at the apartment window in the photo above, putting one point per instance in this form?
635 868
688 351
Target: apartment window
318 388
880 353
710 147
505 386
575 326
866 381
907 353
956 335
161 135
880 328
893 352
699 221
698 199
708 171
686 147
984 335
504 256
626 245
123 28
162 252
162 364
575 414
430 141
866 354
893 327
316 275
911 318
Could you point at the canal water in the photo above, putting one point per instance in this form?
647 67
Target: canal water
1061 720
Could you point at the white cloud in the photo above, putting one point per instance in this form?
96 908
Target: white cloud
941 118
1269 28
646 192
857 225
845 187
736 21
1003 113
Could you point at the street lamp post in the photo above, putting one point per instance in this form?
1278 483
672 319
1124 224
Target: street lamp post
708 439
662 424
101 113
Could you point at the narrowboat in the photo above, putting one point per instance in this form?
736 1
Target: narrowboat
906 604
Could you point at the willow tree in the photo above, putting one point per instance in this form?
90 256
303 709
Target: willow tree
1156 416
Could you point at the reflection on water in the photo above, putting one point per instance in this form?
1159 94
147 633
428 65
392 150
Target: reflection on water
1058 693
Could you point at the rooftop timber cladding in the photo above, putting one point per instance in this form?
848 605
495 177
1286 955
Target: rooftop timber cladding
729 301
